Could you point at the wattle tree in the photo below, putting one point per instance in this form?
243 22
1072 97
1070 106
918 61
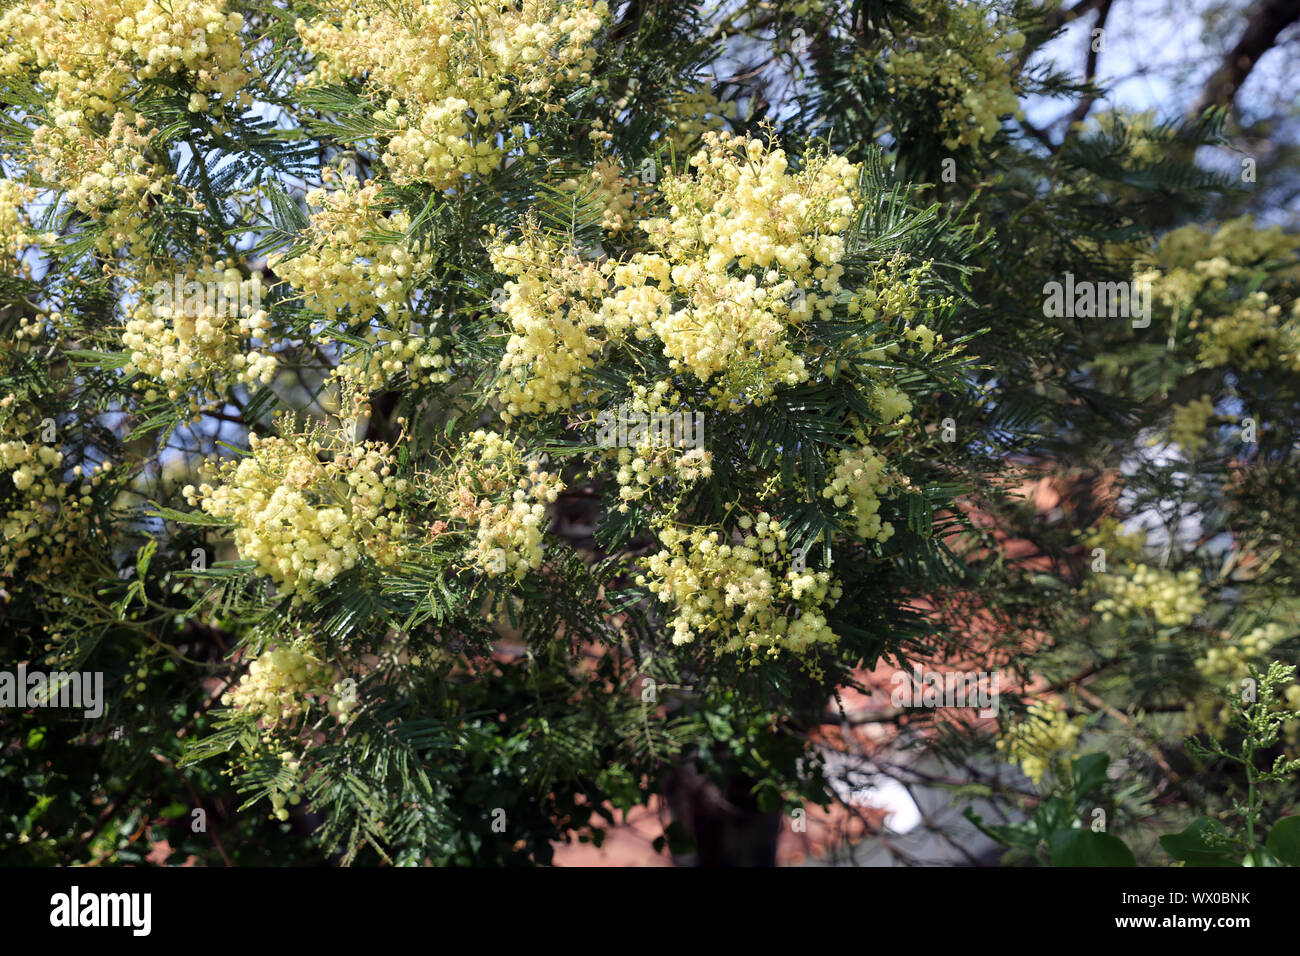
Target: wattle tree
444 425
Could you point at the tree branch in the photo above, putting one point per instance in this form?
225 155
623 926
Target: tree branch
1090 72
1053 22
1260 35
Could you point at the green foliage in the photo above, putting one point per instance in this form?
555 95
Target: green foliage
1056 833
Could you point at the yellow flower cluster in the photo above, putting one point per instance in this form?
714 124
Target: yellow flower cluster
1045 733
1189 425
557 319
504 497
1172 599
91 53
657 439
1239 242
606 188
739 589
450 73
356 260
305 520
693 113
16 232
857 482
1231 661
1110 536
201 332
1202 273
954 53
752 250
415 352
279 798
895 289
108 177
748 252
890 403
1227 665
744 203
92 59
41 517
1144 150
279 682
1254 335
359 270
